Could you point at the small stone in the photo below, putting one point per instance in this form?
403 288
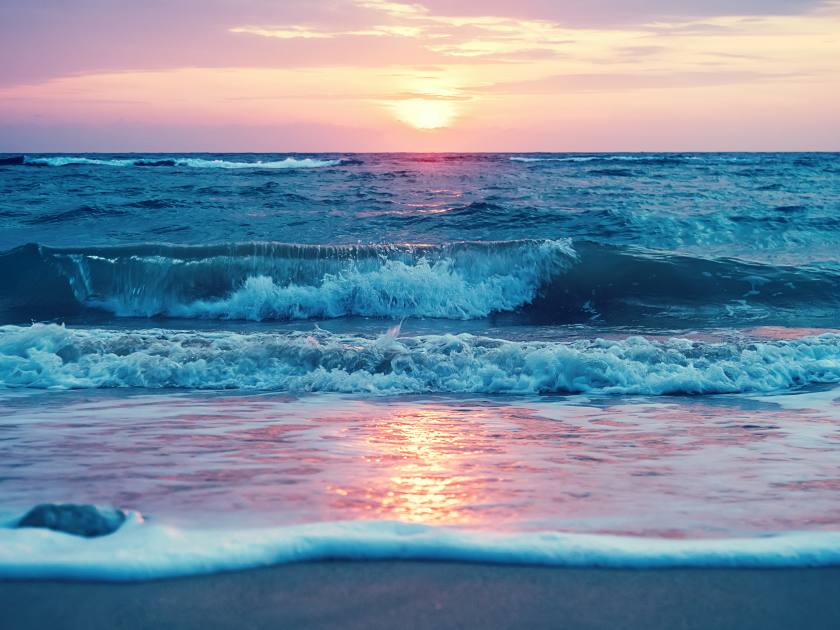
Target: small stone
80 520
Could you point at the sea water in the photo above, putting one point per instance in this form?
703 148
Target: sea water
586 359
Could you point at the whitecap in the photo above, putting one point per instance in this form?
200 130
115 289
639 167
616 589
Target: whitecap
141 551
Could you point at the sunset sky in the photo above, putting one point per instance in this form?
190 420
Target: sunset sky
437 75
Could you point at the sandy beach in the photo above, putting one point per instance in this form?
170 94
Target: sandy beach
437 595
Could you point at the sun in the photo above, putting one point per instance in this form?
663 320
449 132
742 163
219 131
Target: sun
424 113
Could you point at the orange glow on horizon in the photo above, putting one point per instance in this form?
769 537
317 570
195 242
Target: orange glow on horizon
379 75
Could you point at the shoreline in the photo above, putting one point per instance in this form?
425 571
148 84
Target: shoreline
422 594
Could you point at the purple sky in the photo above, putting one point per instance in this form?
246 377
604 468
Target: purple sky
434 75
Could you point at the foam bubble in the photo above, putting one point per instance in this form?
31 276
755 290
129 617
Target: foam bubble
457 281
141 551
52 356
541 280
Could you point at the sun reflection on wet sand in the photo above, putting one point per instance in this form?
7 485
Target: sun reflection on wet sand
664 467
422 459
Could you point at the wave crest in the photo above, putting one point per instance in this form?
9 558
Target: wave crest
52 356
541 281
648 159
289 162
259 281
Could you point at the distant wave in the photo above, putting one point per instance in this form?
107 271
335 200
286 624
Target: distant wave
289 162
143 551
641 158
517 158
52 356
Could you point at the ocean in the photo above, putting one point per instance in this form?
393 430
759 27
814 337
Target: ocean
563 359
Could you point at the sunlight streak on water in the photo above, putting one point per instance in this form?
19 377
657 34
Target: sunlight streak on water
671 467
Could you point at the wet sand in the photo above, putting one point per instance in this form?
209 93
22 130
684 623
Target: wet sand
436 595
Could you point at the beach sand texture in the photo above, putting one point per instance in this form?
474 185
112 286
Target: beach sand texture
436 595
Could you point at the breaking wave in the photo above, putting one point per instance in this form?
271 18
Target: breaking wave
541 281
641 158
259 281
53 356
288 162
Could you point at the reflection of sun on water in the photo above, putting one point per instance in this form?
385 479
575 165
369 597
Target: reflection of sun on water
423 484
425 113
424 487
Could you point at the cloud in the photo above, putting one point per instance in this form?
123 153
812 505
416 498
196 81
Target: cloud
611 82
288 32
444 34
52 38
306 32
343 65
622 13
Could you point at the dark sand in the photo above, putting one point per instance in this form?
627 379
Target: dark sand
406 595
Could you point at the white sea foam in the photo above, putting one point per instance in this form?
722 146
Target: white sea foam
52 356
567 158
140 551
459 281
64 160
394 290
288 162
279 164
602 158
